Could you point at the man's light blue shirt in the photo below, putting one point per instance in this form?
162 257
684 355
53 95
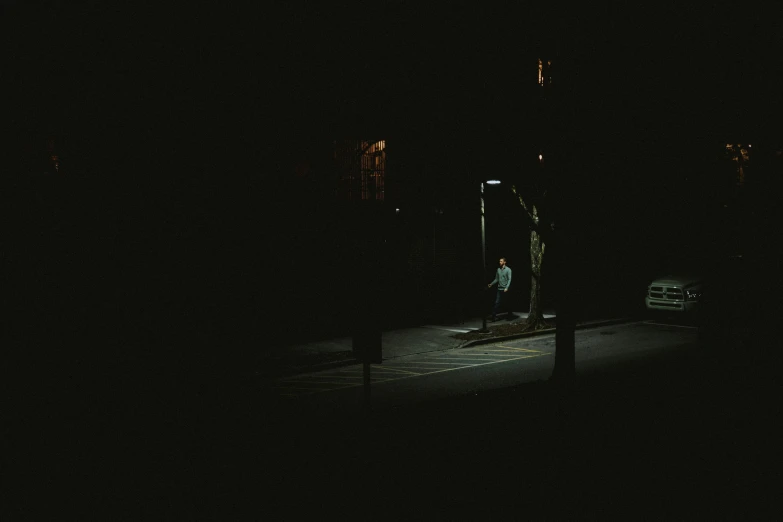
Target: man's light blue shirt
502 278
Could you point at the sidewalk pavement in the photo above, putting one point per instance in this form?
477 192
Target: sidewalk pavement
331 353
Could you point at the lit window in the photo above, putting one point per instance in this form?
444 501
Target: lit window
544 72
540 72
740 154
362 167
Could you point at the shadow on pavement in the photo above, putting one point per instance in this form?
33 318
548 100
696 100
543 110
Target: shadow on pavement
679 435
682 435
673 437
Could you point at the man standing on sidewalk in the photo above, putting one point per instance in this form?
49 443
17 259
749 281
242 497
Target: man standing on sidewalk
503 280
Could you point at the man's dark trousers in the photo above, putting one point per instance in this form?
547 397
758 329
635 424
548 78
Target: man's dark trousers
500 301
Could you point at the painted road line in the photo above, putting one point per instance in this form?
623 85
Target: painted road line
488 351
433 371
348 377
392 370
471 355
315 391
422 360
439 370
519 349
430 363
375 369
458 330
485 353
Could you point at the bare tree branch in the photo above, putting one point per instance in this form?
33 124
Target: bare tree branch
522 202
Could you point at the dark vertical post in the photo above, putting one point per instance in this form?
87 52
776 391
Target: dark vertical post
367 321
367 402
567 284
484 263
483 235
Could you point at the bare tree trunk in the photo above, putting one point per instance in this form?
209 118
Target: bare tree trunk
535 319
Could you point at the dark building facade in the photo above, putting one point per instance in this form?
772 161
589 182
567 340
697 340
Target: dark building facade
423 178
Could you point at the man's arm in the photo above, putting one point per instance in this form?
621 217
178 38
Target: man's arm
494 280
509 279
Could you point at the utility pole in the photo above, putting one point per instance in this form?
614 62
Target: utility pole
366 324
484 262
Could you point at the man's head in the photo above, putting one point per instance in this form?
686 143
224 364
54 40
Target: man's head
502 262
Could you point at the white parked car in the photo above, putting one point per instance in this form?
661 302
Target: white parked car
674 293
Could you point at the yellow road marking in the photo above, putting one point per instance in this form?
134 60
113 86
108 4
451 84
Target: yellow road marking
428 360
433 365
498 352
476 356
438 370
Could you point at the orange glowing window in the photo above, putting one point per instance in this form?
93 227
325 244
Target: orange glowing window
362 166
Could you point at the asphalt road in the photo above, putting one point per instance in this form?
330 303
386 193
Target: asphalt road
652 429
450 373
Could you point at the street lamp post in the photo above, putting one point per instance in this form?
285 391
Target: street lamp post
484 252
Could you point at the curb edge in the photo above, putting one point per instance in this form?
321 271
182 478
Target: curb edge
582 326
